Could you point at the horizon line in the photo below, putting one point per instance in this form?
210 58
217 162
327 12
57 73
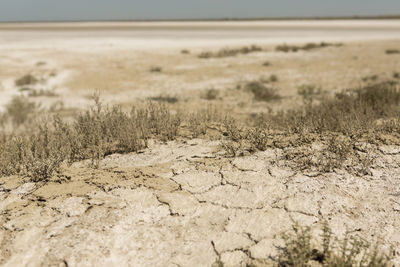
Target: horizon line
355 17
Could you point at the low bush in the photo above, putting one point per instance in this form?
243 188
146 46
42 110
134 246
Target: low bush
92 135
20 109
155 69
210 94
26 80
230 52
165 98
351 251
350 112
307 47
392 51
262 92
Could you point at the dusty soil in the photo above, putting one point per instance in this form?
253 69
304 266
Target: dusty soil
184 203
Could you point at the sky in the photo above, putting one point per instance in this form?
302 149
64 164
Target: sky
61 10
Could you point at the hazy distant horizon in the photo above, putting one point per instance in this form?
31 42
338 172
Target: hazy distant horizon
161 10
374 17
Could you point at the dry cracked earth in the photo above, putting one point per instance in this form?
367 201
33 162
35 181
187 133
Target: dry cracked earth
184 203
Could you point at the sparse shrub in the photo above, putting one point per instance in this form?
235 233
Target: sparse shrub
371 78
396 75
257 138
350 112
266 64
392 51
165 98
26 80
353 250
261 92
309 93
198 122
41 92
155 69
20 109
307 47
230 52
210 94
185 51
92 135
273 78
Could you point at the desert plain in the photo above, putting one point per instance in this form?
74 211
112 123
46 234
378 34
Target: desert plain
186 202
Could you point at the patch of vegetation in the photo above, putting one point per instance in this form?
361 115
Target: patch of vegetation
262 92
41 92
323 137
396 75
20 109
94 134
309 93
185 51
351 251
199 122
266 64
230 52
351 112
392 51
165 98
155 69
307 47
273 78
26 80
210 94
327 153
372 78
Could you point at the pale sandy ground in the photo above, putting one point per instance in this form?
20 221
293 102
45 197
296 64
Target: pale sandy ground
168 205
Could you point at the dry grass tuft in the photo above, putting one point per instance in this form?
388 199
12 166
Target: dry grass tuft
392 51
307 47
92 135
210 94
262 92
155 69
20 109
230 52
165 98
351 251
26 80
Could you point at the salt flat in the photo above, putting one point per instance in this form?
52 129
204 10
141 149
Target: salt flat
149 35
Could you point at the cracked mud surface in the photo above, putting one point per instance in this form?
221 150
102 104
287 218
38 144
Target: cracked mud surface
185 204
